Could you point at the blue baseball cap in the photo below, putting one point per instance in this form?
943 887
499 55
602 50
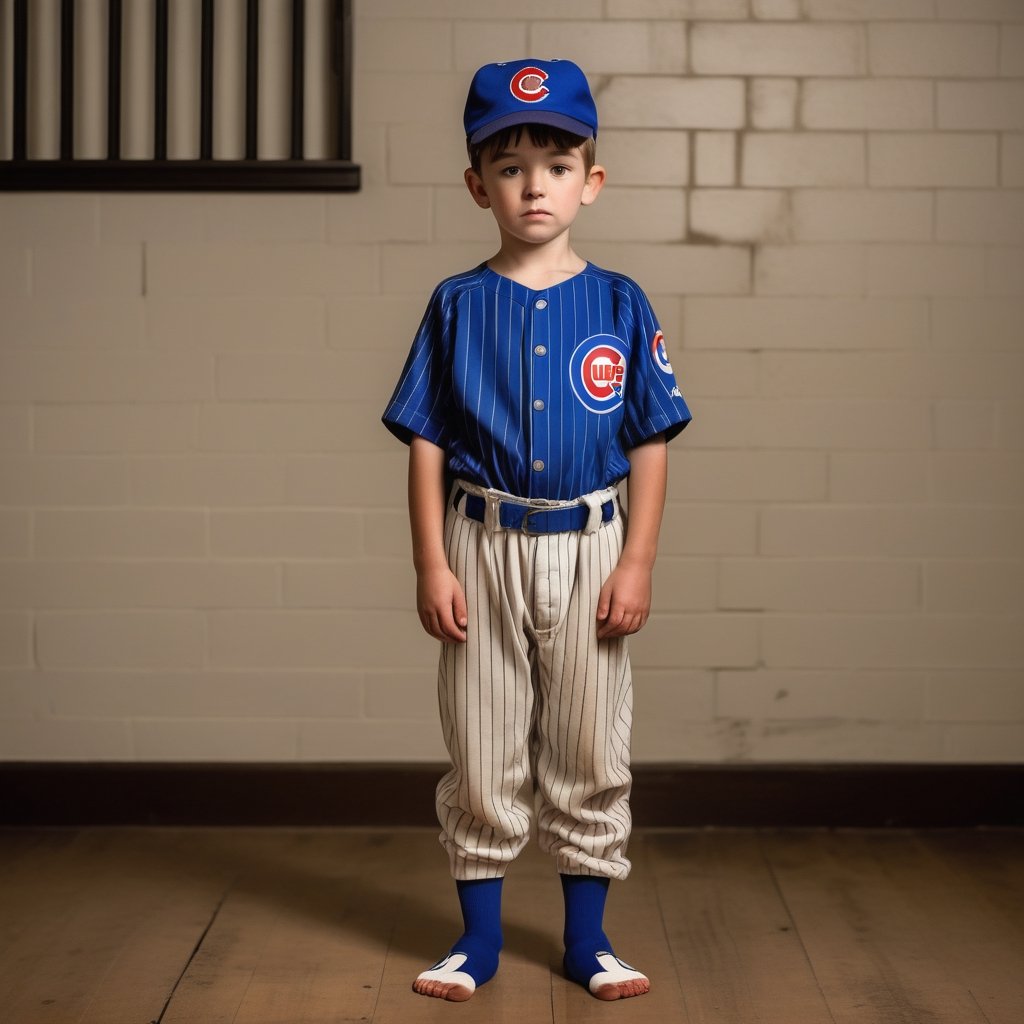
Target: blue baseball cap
553 92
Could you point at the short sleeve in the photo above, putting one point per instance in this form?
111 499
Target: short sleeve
653 402
421 398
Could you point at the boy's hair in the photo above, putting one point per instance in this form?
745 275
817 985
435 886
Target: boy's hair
540 135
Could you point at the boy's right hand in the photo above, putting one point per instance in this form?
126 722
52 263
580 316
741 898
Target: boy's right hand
441 604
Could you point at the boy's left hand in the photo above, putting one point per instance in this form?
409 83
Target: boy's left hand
625 600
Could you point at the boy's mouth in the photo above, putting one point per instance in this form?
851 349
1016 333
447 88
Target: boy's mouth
536 213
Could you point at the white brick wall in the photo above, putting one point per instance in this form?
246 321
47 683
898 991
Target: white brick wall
204 542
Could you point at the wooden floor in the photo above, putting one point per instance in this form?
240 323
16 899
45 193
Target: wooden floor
303 926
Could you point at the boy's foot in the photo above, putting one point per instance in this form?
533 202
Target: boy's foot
457 974
445 980
604 974
589 957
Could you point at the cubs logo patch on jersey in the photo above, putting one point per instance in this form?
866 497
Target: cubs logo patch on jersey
597 372
660 353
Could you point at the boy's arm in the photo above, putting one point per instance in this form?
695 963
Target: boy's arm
625 600
440 601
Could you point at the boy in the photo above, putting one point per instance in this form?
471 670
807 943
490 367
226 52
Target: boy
535 384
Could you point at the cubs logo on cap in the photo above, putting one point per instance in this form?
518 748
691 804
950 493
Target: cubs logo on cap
597 372
528 85
552 92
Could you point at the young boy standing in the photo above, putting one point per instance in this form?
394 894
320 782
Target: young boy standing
535 384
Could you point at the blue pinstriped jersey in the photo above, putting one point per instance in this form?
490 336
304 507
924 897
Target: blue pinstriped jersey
539 393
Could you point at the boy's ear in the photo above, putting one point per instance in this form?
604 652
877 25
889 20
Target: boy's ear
476 188
595 181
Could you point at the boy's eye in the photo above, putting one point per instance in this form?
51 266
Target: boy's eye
510 172
559 170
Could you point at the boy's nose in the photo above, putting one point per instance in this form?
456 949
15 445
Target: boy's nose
535 187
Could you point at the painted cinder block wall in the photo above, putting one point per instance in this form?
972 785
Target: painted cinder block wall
204 543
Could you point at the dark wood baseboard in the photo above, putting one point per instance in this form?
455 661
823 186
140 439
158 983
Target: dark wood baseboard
664 795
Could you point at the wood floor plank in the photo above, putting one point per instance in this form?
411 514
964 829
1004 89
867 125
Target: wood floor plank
990 861
25 844
891 934
301 936
737 952
97 929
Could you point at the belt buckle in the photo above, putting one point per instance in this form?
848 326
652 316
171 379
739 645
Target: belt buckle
525 524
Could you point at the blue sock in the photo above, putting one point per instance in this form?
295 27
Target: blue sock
482 940
584 932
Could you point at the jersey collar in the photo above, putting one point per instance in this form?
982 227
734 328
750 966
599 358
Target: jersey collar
519 292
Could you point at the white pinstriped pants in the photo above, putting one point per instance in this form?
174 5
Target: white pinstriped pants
535 710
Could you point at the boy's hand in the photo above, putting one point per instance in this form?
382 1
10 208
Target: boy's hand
625 600
441 604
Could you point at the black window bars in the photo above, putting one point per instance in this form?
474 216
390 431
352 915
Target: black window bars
114 173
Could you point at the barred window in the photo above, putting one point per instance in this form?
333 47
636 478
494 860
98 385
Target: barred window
176 95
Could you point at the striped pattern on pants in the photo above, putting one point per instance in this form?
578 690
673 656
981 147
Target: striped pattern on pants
536 711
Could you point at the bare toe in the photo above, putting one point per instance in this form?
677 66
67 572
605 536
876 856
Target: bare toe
457 993
624 989
442 989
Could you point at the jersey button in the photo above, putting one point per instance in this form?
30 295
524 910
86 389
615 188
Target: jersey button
541 350
538 464
538 404
542 303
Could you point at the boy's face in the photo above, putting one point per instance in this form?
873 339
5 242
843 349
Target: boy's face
534 191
